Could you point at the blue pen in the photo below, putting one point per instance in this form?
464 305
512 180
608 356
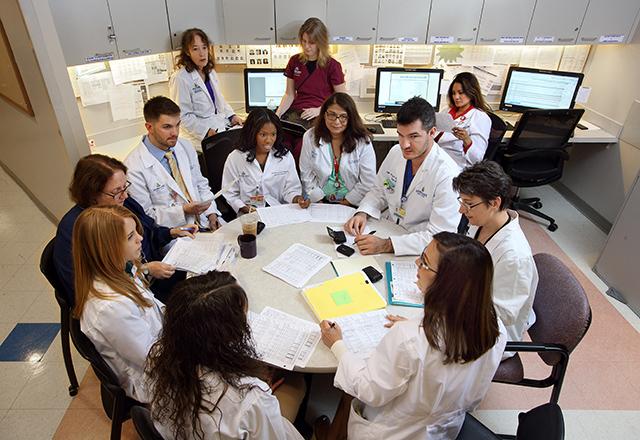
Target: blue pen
192 230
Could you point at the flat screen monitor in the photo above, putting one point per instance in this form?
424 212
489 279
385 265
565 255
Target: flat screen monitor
263 88
395 85
528 89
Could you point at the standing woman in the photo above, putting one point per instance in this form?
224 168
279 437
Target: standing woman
338 163
427 372
117 311
261 171
468 140
196 89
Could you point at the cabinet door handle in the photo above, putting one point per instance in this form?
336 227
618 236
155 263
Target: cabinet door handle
464 39
565 40
262 38
110 35
363 38
388 38
588 38
287 38
487 39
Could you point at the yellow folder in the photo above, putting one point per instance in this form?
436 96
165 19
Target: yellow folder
342 296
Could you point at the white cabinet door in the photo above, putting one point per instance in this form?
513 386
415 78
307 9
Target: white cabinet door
85 31
556 22
249 21
290 14
403 21
505 21
608 21
202 14
453 22
141 27
352 21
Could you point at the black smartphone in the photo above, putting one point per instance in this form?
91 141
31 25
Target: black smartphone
345 250
337 236
261 227
372 273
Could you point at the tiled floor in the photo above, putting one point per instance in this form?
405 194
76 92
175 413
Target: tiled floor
34 398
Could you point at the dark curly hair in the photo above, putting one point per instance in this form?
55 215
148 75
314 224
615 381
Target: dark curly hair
355 129
205 329
486 180
255 121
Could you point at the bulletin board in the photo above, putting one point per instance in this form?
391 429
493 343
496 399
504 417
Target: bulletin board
12 87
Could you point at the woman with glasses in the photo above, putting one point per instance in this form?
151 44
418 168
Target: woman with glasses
116 310
102 180
427 372
337 163
485 193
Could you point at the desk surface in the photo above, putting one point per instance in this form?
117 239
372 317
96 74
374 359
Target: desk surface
266 290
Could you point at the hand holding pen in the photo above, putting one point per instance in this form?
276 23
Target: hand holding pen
184 231
371 245
331 333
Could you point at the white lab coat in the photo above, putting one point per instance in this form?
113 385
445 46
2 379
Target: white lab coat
159 194
123 333
405 391
515 277
358 168
278 183
478 124
431 205
252 413
198 114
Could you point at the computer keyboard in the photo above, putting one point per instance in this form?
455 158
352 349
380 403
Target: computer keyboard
389 123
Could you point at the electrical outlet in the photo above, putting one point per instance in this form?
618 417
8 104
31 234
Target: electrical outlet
92 143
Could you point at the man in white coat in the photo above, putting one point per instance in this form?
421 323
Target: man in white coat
413 186
485 192
165 174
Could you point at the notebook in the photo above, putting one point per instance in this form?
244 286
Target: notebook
401 284
343 296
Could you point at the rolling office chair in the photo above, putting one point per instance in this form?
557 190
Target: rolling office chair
215 150
563 316
115 402
49 271
544 422
536 153
144 425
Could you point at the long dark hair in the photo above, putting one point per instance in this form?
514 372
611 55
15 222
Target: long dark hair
255 121
205 330
459 318
184 60
471 88
355 130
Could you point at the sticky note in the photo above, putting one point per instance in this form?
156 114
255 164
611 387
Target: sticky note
341 297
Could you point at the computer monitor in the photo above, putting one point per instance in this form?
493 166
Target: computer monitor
527 89
263 88
395 85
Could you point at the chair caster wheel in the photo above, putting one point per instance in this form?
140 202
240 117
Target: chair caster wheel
537 205
552 227
73 390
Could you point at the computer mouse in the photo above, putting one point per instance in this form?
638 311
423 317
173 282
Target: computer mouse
371 129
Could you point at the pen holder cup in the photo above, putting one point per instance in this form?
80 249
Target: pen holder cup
248 245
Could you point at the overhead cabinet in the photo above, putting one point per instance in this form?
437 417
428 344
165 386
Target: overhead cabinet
290 14
352 22
403 21
201 14
556 22
505 21
249 22
454 22
609 22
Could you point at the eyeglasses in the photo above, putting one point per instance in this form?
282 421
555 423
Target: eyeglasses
117 194
424 264
468 207
333 116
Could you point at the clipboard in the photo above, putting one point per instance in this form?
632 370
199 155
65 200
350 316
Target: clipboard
390 294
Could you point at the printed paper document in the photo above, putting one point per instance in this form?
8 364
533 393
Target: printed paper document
297 264
363 332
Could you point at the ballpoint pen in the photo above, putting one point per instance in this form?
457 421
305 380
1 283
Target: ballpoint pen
192 230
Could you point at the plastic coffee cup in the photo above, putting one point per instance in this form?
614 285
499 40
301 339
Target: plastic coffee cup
248 247
249 223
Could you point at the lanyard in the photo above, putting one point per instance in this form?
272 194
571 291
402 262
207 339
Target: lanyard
336 167
406 183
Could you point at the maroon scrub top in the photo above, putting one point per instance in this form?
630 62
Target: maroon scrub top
312 90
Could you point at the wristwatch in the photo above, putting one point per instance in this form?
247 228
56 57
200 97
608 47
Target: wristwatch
145 271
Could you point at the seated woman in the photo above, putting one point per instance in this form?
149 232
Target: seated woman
337 163
117 311
485 193
468 140
261 171
102 180
427 372
196 89
216 392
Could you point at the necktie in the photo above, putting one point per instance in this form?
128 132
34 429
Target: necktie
177 175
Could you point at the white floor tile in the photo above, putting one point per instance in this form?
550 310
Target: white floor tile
21 252
5 329
43 309
15 305
30 424
596 425
6 273
27 278
45 389
14 377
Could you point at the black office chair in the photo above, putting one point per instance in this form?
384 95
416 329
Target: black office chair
215 150
144 425
498 129
563 316
116 403
48 269
536 153
544 422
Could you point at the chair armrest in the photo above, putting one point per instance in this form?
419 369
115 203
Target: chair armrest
537 347
536 154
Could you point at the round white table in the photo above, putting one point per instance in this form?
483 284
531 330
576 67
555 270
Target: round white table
264 289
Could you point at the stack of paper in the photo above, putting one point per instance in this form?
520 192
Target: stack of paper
363 332
328 213
284 215
199 256
297 265
347 266
401 283
343 296
282 339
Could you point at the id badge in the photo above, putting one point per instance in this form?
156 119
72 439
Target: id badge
257 200
400 212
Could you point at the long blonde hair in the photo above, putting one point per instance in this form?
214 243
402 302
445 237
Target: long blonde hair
316 32
98 254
